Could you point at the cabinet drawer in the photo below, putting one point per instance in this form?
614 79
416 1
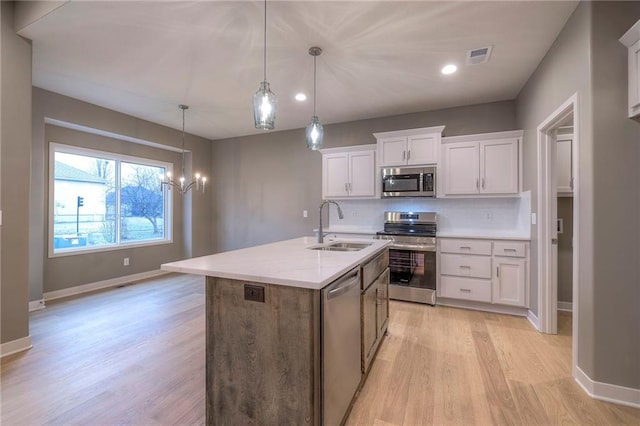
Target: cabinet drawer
509 248
475 289
465 246
465 265
372 269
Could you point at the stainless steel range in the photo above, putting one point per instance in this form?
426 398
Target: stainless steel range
412 255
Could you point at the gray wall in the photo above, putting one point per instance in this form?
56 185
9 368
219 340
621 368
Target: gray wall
565 250
264 182
192 230
616 208
15 122
586 58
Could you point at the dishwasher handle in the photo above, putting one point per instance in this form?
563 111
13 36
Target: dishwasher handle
343 284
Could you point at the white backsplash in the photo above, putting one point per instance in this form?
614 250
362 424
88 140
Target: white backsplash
454 215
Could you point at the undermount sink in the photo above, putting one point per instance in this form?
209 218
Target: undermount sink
342 246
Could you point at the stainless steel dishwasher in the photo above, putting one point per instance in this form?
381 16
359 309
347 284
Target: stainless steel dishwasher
341 358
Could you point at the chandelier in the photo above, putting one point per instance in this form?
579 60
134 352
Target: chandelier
180 185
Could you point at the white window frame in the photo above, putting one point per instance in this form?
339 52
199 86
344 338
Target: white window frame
118 245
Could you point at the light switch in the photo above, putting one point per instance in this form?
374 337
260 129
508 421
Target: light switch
534 218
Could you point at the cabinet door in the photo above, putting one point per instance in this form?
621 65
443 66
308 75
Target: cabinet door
392 151
499 166
382 301
423 149
369 325
335 175
461 168
362 174
564 172
509 283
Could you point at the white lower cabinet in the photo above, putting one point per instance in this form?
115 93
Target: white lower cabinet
509 281
487 271
475 289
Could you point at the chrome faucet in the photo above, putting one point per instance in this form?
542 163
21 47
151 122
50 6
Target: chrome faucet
340 215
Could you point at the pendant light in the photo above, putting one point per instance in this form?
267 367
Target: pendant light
314 132
264 101
181 186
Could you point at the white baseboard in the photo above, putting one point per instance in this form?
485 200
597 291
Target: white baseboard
533 319
478 306
72 291
36 305
607 392
15 346
565 306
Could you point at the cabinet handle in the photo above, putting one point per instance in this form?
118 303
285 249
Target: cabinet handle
350 187
404 155
482 183
346 187
465 267
498 271
409 155
510 249
465 290
465 248
477 183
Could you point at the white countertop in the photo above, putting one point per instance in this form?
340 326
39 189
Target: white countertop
485 234
288 263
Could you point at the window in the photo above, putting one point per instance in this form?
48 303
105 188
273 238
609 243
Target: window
103 200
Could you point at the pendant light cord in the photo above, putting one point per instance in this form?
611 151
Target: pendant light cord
314 85
265 40
183 109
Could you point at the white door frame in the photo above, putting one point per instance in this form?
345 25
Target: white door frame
547 228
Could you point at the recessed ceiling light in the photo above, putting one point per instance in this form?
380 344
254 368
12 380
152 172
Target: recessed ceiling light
301 97
449 69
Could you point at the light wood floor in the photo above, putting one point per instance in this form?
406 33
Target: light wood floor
135 355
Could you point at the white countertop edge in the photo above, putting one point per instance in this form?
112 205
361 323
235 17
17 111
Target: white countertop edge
251 278
484 236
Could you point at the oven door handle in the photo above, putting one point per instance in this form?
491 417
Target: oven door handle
412 247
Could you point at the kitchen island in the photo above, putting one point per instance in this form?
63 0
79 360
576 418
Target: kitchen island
266 346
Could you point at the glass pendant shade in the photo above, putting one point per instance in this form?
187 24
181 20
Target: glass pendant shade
314 134
265 105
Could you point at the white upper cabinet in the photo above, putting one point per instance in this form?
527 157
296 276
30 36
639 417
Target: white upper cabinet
349 172
564 166
499 166
631 40
483 164
409 147
462 168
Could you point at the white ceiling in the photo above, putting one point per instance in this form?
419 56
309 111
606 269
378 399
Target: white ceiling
379 58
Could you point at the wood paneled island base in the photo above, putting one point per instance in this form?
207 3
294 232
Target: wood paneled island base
262 358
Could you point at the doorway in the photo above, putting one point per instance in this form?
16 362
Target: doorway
549 172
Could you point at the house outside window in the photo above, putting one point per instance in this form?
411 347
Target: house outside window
105 201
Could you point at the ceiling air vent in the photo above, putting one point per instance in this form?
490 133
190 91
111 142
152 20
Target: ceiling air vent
479 55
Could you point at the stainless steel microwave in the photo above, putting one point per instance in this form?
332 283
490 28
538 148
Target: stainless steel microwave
409 182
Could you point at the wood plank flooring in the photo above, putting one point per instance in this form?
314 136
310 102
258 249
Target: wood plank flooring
135 355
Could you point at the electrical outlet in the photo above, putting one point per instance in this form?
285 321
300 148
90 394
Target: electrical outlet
126 261
305 213
254 293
